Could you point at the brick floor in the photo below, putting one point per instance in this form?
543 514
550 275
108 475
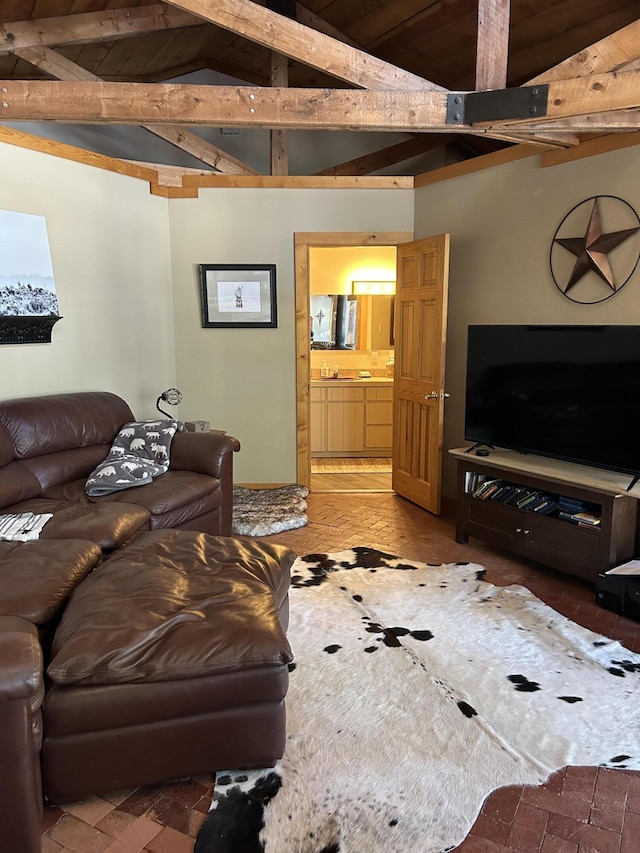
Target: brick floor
578 810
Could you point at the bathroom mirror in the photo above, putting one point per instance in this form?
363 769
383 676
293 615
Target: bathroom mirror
347 322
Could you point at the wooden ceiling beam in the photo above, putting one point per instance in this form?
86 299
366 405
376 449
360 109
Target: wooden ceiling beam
202 150
306 45
614 121
311 47
248 106
279 139
224 106
580 96
59 66
492 51
172 176
87 27
609 54
93 26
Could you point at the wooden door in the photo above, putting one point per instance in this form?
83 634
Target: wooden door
418 394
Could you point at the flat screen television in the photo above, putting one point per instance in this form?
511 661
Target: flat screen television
567 392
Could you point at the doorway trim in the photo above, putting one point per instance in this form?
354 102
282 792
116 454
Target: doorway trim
303 241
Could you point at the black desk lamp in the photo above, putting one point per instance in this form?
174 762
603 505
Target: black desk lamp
171 396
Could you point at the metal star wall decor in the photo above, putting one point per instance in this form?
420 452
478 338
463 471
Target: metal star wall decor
592 250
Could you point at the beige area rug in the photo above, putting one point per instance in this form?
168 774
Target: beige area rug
351 465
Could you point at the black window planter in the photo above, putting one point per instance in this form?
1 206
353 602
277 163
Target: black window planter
27 330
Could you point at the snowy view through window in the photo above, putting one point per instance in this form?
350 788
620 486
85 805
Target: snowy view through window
27 287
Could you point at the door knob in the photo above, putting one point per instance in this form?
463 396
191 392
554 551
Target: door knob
444 395
433 395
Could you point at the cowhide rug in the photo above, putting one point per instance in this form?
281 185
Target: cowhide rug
261 512
416 691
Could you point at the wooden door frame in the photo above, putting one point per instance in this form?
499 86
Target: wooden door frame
303 241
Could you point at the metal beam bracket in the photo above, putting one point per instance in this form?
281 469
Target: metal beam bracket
502 104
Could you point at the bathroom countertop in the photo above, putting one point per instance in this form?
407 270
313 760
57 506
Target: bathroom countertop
345 380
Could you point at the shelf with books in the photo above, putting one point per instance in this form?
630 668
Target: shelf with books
544 502
576 528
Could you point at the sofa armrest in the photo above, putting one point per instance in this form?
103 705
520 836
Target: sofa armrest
208 453
202 452
21 693
20 661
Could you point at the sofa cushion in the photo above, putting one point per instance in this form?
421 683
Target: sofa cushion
171 491
51 469
109 525
48 424
176 493
173 605
17 483
36 578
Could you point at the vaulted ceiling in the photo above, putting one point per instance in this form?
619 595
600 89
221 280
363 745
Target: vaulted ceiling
474 75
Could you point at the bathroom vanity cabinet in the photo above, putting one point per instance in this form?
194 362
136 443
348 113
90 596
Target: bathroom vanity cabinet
351 417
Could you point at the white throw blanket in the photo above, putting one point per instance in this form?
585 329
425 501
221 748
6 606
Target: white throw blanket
139 454
23 526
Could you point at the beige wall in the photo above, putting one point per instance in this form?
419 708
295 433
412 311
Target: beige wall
126 270
244 380
109 241
502 222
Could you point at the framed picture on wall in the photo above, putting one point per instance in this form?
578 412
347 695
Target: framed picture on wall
239 296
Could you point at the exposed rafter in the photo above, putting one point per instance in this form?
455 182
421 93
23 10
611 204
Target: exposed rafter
492 50
58 66
92 26
595 91
609 54
248 106
311 47
279 139
594 94
325 53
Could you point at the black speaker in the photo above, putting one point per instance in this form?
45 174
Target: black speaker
620 593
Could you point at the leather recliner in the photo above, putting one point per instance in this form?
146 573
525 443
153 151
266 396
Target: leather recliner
21 695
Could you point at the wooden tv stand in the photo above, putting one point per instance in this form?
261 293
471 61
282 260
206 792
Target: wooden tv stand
578 550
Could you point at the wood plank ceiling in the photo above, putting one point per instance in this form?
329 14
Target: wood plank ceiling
350 65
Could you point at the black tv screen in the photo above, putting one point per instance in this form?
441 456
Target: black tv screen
568 392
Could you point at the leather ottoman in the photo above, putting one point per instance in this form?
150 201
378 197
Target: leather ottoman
170 660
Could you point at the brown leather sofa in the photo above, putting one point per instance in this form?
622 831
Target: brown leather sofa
49 445
128 656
